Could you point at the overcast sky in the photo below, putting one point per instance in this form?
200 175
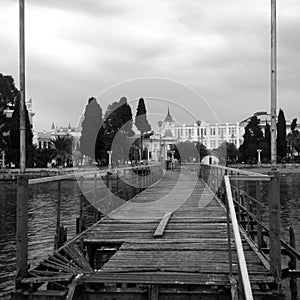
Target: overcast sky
220 49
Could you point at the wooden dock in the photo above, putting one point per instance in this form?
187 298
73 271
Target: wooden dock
168 242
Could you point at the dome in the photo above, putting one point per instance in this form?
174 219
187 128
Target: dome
168 133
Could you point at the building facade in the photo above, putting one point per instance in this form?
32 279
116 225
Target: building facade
210 135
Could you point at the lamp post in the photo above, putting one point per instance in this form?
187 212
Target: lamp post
172 159
109 159
258 154
159 123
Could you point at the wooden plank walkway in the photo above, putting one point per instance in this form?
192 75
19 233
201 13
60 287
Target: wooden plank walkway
189 256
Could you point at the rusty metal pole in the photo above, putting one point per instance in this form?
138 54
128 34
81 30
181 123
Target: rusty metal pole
22 89
273 86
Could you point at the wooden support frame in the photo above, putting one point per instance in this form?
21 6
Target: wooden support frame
274 227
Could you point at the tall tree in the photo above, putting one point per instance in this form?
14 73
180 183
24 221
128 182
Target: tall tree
253 140
13 153
141 121
201 149
281 135
266 149
90 127
117 127
186 151
8 95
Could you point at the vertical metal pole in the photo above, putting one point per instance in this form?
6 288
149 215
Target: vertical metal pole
273 85
22 227
22 89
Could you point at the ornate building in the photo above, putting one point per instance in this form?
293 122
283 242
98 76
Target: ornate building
211 135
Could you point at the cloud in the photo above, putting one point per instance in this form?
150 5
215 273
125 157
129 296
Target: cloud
75 49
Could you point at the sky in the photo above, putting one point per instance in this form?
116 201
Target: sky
205 60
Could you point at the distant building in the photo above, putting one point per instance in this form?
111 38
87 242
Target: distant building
44 137
171 132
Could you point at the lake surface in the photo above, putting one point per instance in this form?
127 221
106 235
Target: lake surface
42 218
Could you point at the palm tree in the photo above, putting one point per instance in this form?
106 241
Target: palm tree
62 150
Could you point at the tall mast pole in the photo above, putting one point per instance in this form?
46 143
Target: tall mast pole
273 86
22 89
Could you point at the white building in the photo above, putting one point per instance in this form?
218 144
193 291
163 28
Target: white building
211 135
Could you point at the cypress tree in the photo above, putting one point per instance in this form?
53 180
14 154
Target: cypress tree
90 127
281 135
141 121
117 127
13 153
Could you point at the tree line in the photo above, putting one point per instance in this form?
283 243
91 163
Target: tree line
288 144
60 148
113 132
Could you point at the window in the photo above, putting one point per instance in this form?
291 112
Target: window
222 131
232 131
212 131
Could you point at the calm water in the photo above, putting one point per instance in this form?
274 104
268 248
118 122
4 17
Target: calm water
42 216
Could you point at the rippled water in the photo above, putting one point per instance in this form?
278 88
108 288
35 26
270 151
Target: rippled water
42 218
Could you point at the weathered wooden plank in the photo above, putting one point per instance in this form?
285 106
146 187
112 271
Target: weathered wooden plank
159 232
47 279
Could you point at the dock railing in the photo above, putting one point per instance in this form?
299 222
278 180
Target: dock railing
98 192
253 202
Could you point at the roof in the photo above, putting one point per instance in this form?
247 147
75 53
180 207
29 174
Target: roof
168 117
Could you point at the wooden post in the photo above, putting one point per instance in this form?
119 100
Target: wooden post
247 205
259 214
22 227
293 266
274 226
95 198
117 182
58 231
81 211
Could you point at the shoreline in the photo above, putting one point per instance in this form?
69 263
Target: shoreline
266 168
